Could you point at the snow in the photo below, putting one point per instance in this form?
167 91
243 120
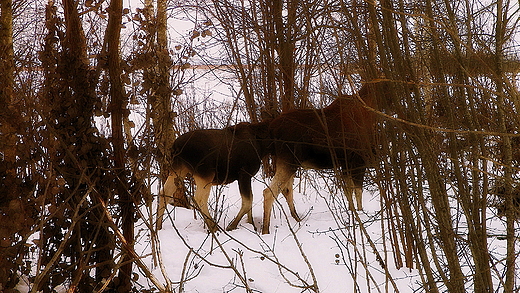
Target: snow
320 252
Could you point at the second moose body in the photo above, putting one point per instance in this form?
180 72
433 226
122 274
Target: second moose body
214 157
340 136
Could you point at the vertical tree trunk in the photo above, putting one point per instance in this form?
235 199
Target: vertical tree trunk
507 149
118 104
13 199
7 132
161 95
6 53
285 47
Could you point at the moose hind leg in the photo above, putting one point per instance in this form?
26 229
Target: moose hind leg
284 173
349 190
358 176
244 184
288 192
202 191
358 192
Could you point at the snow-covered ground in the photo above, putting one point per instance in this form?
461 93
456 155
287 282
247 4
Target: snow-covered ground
323 252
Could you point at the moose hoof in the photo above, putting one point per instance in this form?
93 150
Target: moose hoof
231 227
212 226
296 217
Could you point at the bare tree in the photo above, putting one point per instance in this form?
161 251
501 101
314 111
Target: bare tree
17 180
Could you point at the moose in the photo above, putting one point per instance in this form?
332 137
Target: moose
340 136
217 157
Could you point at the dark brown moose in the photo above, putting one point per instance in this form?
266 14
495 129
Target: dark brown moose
215 157
340 136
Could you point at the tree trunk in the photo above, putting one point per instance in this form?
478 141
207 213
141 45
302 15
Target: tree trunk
161 97
507 149
14 217
118 106
285 47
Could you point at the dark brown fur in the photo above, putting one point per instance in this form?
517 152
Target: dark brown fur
340 136
214 157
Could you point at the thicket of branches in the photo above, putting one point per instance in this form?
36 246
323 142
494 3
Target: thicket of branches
76 172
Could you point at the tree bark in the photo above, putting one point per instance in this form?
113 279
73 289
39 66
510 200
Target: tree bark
118 111
14 220
507 149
